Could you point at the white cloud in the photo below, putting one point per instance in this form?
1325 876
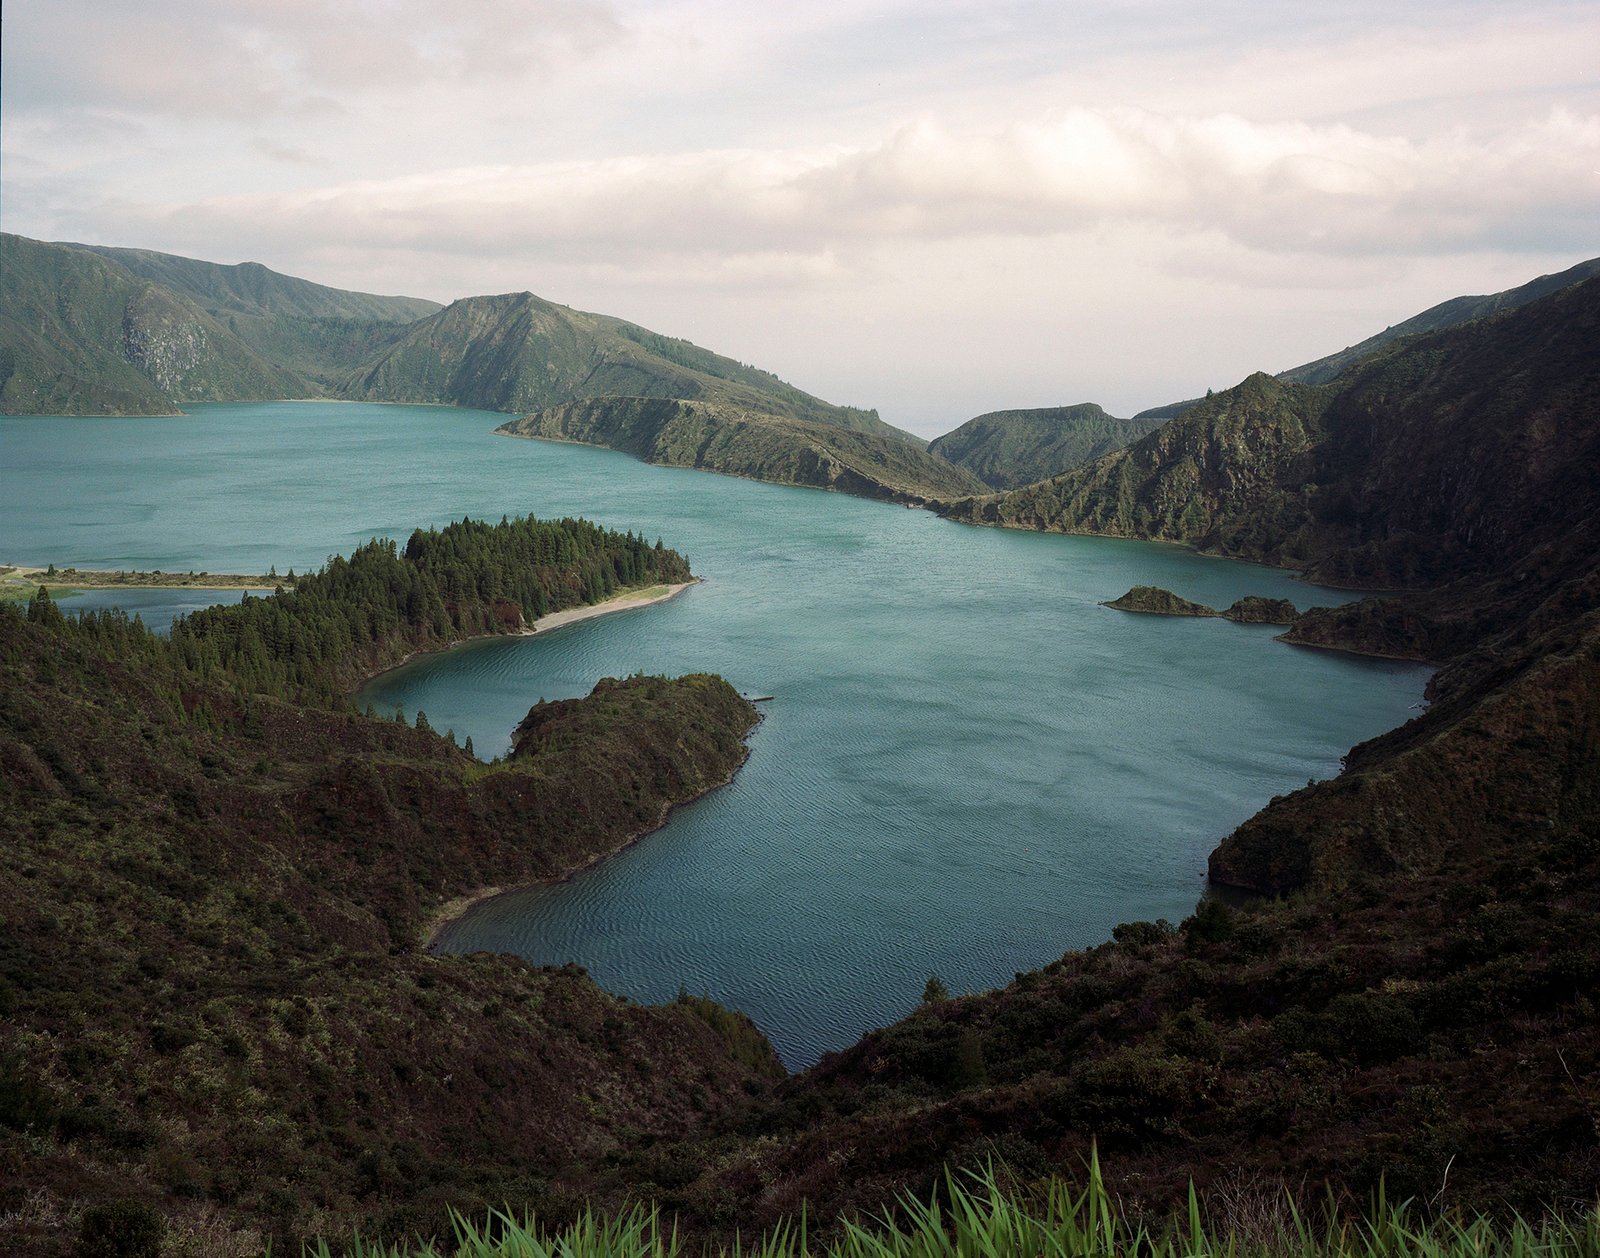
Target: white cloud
249 58
933 205
1278 186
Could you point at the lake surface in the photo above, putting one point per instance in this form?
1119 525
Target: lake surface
968 766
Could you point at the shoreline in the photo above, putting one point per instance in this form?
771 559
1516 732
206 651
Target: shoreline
622 601
453 910
25 575
895 497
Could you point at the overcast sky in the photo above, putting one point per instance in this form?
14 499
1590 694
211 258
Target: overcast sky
934 207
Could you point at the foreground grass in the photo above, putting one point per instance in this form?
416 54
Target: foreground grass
978 1219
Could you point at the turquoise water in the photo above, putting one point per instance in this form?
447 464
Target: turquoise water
968 766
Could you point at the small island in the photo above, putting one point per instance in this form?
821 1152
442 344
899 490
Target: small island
1154 601
1249 610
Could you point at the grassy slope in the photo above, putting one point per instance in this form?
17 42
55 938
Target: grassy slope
723 437
213 995
517 352
321 332
129 331
79 334
1447 314
1006 449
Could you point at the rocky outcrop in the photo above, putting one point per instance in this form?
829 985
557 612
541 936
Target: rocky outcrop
1254 610
1155 601
739 441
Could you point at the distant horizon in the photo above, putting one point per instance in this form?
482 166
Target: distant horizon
923 430
933 210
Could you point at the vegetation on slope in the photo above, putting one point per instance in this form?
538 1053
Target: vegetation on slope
319 332
1155 601
214 1001
990 1215
80 334
517 352
1005 449
1252 609
1447 314
1218 477
101 330
731 439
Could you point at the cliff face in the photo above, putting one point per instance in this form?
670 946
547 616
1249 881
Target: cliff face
1224 476
723 438
318 332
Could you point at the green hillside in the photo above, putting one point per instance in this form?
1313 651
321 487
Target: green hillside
102 330
321 332
722 437
80 334
1412 1012
1005 449
517 352
1211 477
214 1007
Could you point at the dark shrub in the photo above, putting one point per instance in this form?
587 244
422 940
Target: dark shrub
121 1229
1212 923
1370 1027
1143 934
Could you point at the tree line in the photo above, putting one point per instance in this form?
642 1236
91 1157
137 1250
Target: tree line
316 641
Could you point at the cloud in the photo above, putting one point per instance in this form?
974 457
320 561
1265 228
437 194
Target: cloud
247 58
799 215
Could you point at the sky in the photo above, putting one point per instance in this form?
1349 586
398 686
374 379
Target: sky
932 207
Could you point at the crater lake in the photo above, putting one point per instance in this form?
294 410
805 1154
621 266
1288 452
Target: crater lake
967 765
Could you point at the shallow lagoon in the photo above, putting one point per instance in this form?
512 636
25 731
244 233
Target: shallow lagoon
968 765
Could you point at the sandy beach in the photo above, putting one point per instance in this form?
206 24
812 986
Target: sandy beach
625 601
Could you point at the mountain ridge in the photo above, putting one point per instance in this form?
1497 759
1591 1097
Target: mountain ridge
1361 482
285 337
1447 314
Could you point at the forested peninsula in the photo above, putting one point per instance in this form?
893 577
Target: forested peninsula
216 878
